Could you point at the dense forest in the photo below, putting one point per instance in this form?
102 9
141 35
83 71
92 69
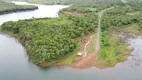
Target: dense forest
6 7
48 40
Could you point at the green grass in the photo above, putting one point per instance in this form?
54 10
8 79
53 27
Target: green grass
91 9
92 48
69 59
116 52
131 29
124 18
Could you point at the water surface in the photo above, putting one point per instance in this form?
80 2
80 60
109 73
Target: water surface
43 11
15 65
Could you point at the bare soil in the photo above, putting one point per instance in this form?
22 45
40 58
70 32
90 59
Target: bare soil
89 60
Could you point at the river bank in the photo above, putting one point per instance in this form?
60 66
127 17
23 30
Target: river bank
15 63
9 7
18 57
26 38
43 59
18 10
70 59
41 12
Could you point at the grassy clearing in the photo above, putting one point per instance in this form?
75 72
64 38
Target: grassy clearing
131 29
73 57
68 60
124 18
115 52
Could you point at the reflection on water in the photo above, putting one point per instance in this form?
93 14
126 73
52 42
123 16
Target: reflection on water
15 65
135 60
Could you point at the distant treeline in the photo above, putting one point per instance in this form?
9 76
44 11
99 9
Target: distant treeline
88 2
71 1
6 7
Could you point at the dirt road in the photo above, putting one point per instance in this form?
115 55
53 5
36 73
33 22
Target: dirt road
88 61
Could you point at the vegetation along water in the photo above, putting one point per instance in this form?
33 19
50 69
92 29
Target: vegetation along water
7 7
48 41
57 41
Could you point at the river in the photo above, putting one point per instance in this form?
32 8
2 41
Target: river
43 11
15 65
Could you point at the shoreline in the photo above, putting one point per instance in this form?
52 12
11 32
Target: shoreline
56 63
96 63
17 10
